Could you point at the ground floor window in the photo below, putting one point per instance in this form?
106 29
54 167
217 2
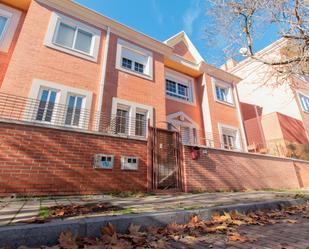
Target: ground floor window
47 100
140 124
74 110
122 121
230 138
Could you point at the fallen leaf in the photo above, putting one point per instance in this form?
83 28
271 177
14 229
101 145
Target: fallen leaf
134 229
237 237
194 220
67 240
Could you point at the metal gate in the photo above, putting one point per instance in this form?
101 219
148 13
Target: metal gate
166 163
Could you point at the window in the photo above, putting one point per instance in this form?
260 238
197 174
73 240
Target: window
74 110
134 59
230 138
139 67
304 102
74 38
3 23
140 124
122 121
9 20
177 90
126 63
228 141
223 91
46 105
130 118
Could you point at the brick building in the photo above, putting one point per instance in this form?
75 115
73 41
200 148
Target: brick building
275 109
63 54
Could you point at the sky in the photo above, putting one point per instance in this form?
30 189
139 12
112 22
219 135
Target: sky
162 19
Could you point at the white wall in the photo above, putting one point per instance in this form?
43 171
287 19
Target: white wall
257 87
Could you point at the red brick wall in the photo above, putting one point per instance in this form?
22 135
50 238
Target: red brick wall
5 57
182 50
42 161
227 170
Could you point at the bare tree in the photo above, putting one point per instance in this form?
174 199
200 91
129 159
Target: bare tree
243 22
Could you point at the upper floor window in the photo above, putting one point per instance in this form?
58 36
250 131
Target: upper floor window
3 23
134 59
177 90
223 91
9 20
304 102
179 86
73 37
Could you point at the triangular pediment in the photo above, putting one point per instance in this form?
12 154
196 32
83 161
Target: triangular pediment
180 117
184 47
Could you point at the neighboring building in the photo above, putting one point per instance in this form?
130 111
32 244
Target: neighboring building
274 113
65 65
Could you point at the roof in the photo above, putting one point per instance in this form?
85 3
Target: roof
182 36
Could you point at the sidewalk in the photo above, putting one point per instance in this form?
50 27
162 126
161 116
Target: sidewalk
13 212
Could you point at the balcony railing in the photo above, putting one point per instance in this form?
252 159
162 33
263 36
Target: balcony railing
68 116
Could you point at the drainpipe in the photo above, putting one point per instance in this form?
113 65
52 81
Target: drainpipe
103 77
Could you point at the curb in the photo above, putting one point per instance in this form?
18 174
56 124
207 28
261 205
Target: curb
47 234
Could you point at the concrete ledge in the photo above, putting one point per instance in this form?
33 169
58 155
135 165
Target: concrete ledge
47 234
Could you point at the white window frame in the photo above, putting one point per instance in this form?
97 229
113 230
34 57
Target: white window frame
62 97
132 108
55 110
238 145
13 17
53 28
230 93
183 80
148 68
301 103
83 113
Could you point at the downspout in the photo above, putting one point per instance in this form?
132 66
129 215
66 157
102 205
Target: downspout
243 134
103 77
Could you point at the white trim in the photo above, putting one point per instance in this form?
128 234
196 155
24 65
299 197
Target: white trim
226 85
132 108
63 92
55 20
103 76
180 113
13 16
238 143
184 80
148 68
206 109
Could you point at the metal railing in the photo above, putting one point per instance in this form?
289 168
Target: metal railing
51 114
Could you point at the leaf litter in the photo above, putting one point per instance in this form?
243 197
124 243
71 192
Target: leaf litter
226 224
